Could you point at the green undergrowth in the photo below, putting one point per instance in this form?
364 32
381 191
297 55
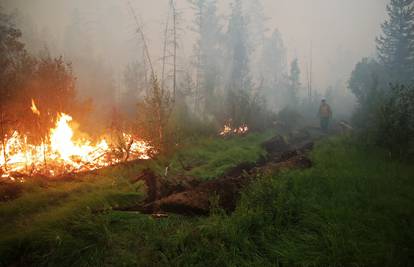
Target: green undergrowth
354 207
209 158
56 220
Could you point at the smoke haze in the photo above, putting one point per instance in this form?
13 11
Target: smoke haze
336 33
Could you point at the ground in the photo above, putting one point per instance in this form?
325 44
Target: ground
354 207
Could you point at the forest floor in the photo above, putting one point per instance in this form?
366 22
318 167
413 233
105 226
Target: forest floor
353 207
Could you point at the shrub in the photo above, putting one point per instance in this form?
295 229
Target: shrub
395 121
388 119
385 112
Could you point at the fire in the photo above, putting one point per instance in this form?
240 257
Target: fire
34 108
228 130
61 153
62 143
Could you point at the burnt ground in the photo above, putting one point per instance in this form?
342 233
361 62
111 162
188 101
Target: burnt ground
188 196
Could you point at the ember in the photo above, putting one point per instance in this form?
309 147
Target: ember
61 153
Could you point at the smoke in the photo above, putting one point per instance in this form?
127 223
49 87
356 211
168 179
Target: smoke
101 34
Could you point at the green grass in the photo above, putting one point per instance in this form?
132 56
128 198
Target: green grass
54 221
353 208
209 158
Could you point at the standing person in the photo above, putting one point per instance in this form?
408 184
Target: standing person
325 115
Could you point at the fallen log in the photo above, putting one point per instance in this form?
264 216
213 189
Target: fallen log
160 186
196 199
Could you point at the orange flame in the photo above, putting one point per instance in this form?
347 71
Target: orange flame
34 108
228 130
62 153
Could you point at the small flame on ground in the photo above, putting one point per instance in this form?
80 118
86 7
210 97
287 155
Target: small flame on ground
228 130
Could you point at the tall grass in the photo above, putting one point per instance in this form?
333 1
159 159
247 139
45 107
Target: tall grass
56 225
353 208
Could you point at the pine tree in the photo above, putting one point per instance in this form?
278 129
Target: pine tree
396 44
208 29
257 30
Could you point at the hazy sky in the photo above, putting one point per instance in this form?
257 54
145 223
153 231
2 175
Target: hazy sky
341 31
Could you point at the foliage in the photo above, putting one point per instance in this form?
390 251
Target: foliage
368 82
396 44
384 112
394 121
154 113
208 53
368 75
14 62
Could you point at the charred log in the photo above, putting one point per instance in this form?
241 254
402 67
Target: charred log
190 198
160 186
